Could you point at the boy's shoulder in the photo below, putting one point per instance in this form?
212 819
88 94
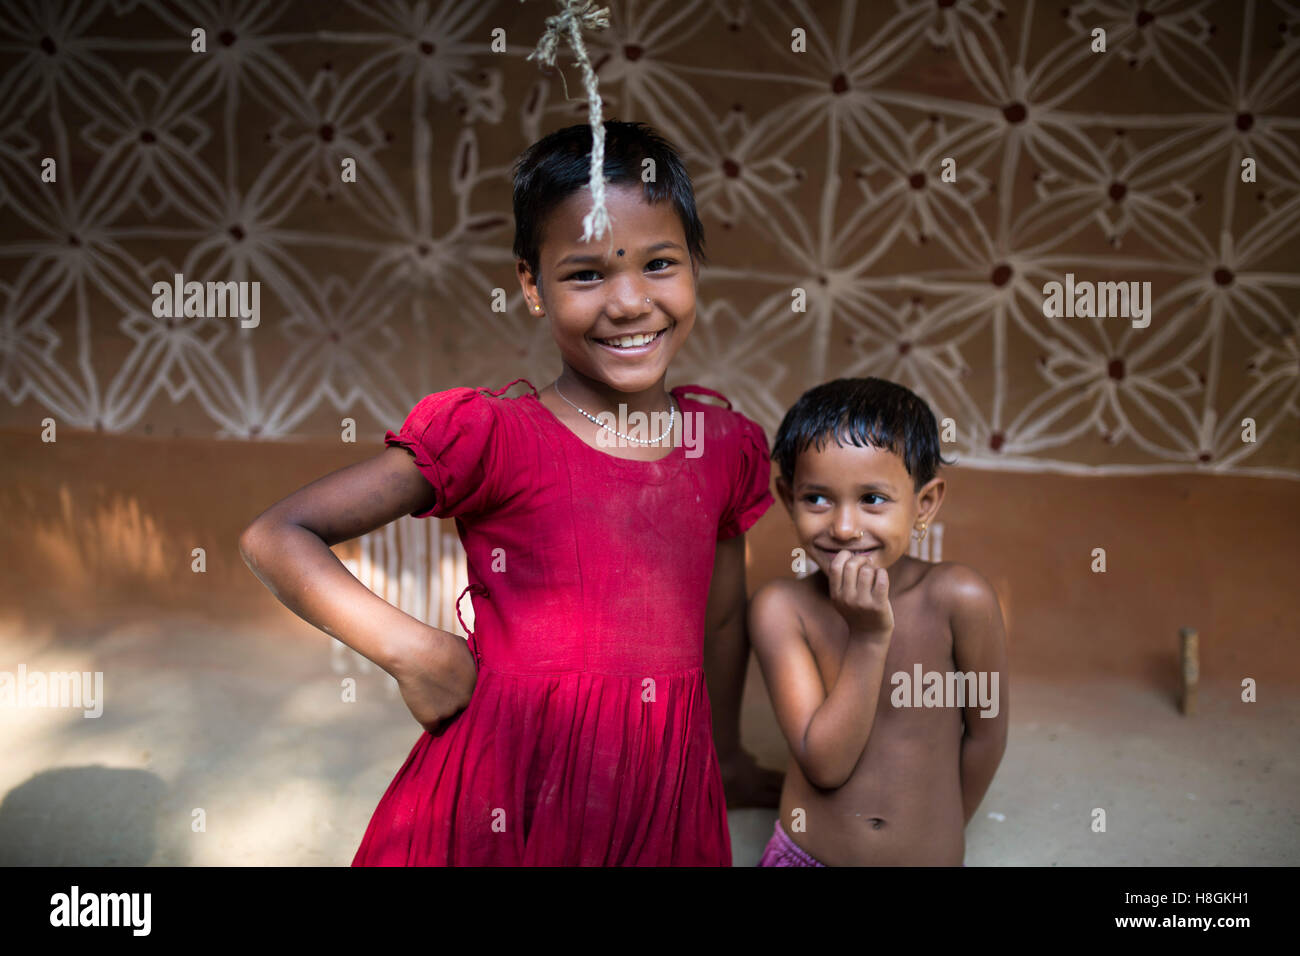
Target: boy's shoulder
780 590
959 587
783 599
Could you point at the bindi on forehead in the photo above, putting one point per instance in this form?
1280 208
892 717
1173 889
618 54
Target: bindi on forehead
620 252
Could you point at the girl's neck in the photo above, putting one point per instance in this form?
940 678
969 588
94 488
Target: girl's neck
596 396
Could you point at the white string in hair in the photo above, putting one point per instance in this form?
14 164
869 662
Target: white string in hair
574 16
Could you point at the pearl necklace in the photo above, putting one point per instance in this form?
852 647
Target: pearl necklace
672 416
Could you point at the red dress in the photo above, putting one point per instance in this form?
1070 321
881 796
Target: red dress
588 739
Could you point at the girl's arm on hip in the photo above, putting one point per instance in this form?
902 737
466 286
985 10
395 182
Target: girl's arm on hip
288 548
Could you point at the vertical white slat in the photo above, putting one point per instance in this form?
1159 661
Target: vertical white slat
401 574
435 573
404 568
389 583
417 560
447 575
929 549
462 581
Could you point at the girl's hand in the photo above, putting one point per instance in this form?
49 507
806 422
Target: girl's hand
861 594
746 784
435 672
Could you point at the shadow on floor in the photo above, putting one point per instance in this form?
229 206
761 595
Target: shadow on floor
58 818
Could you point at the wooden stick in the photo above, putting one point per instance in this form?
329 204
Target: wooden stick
1191 671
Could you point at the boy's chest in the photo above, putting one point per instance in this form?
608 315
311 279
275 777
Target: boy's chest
922 637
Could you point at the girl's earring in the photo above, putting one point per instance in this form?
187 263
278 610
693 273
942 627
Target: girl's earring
923 532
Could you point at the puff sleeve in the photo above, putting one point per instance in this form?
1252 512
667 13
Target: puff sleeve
751 493
451 434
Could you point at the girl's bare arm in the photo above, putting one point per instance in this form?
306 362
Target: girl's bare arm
288 548
726 657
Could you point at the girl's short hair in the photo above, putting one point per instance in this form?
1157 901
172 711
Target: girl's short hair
559 164
865 411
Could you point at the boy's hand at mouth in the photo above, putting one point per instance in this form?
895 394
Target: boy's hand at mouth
860 592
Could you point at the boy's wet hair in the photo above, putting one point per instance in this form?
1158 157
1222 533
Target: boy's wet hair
559 164
861 412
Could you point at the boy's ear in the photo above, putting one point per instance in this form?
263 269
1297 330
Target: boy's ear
785 493
929 498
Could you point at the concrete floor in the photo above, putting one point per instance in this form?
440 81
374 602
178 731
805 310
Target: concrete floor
249 729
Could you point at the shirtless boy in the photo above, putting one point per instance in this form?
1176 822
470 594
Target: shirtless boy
882 772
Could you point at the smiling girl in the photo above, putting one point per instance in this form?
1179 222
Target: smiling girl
606 566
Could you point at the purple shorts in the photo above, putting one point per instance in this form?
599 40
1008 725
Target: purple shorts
782 851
